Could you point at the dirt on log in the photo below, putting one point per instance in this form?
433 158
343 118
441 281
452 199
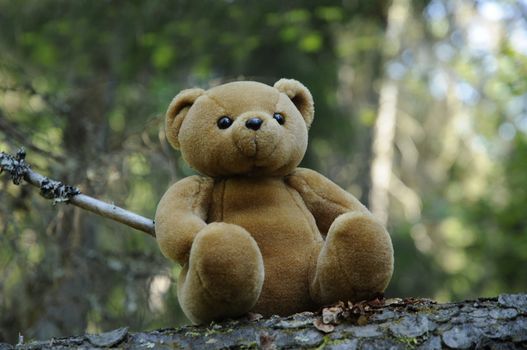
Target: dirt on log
489 323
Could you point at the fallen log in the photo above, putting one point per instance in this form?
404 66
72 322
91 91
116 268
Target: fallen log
486 323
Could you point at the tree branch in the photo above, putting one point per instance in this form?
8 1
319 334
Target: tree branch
18 170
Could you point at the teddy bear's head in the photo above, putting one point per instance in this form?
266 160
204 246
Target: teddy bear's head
242 128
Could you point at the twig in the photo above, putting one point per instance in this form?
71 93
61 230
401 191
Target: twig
18 169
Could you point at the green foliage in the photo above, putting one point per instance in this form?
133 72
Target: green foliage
84 86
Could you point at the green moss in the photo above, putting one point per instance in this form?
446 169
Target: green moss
249 346
324 343
409 342
192 334
223 330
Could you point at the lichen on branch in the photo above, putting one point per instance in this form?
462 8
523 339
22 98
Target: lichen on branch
18 169
15 165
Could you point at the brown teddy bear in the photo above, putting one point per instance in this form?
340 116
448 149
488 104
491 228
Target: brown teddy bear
254 232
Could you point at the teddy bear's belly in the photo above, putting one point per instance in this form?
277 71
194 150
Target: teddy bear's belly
285 231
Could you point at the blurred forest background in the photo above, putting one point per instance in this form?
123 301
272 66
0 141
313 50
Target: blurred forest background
421 112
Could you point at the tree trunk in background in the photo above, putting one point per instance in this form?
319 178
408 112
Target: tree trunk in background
360 68
491 323
384 129
65 302
381 170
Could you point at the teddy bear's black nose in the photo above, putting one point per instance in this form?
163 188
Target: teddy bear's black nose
254 123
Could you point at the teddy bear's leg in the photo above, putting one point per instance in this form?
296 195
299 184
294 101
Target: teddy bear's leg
224 275
356 261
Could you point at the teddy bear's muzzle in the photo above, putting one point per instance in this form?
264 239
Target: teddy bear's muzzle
257 145
247 146
256 135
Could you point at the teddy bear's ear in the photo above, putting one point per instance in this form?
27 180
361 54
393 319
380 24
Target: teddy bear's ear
300 96
177 111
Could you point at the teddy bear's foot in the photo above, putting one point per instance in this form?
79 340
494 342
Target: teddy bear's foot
224 275
356 261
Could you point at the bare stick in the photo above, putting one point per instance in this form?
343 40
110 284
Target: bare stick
19 169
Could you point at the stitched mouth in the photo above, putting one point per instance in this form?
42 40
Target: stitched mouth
251 149
248 149
263 156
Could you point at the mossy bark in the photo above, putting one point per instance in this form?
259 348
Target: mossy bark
493 323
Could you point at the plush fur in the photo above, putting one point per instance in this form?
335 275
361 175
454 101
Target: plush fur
254 232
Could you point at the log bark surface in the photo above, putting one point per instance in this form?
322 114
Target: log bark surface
490 323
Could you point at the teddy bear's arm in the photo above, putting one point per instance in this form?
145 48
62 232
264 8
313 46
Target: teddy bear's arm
356 259
324 199
180 214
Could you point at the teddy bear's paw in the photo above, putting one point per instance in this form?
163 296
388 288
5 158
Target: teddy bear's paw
224 276
228 264
356 261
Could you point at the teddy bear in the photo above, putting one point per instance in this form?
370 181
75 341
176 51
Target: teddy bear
253 232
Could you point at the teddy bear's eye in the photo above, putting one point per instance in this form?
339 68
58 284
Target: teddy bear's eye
279 118
224 122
